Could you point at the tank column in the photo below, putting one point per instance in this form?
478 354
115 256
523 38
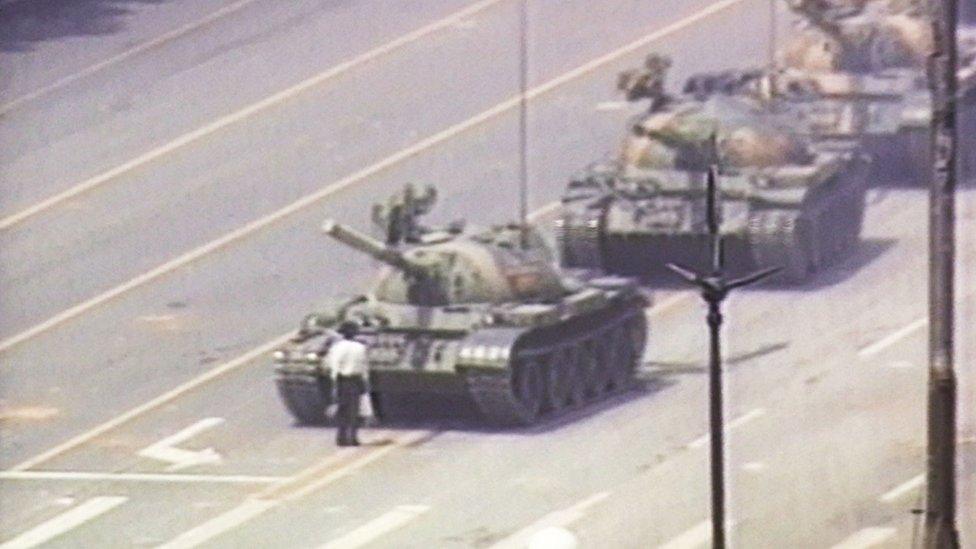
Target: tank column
714 289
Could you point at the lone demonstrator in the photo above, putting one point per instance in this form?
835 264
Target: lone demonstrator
349 369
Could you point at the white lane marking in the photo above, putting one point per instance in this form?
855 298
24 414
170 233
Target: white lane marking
377 527
668 304
358 176
220 524
611 106
729 425
159 40
560 518
138 477
239 115
179 458
154 403
868 537
64 522
698 535
902 489
892 338
754 466
290 489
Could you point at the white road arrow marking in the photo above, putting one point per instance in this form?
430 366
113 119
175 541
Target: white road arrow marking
64 522
179 458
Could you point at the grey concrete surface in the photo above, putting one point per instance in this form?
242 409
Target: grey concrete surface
824 430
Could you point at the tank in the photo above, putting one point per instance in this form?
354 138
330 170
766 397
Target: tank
862 68
785 200
484 313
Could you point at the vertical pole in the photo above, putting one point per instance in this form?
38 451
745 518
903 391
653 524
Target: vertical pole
940 525
523 119
716 422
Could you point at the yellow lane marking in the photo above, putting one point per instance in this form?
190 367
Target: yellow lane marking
27 413
336 466
148 45
240 115
359 176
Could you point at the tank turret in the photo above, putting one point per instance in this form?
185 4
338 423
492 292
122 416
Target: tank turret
481 312
861 39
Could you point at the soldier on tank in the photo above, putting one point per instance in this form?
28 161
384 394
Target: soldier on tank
647 83
349 369
397 218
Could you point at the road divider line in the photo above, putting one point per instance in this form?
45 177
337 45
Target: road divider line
380 526
64 522
237 116
560 518
893 338
216 526
751 415
902 489
868 537
174 478
331 469
361 174
149 44
164 398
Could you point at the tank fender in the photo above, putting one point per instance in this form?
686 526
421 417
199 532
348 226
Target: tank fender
489 348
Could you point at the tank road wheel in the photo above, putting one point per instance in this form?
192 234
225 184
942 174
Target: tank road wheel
603 359
528 385
619 360
576 377
557 380
637 334
306 398
589 370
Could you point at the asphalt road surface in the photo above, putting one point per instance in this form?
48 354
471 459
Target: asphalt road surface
165 167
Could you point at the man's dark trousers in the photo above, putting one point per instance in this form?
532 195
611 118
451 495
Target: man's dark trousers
349 389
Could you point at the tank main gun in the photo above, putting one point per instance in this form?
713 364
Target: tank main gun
374 248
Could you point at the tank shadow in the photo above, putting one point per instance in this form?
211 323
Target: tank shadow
26 22
458 413
866 251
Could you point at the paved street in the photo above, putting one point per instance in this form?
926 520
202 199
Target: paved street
165 167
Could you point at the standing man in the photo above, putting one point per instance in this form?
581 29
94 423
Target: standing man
348 366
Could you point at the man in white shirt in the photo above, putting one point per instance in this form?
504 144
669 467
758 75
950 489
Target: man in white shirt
349 368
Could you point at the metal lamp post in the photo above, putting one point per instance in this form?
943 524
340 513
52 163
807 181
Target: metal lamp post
715 287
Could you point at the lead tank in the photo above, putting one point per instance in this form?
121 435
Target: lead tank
785 201
484 313
863 68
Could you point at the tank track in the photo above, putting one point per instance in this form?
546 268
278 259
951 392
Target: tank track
773 241
804 241
304 397
556 359
579 239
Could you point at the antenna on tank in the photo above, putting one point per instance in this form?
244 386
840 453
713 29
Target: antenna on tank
523 122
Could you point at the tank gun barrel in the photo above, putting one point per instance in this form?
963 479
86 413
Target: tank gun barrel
359 241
